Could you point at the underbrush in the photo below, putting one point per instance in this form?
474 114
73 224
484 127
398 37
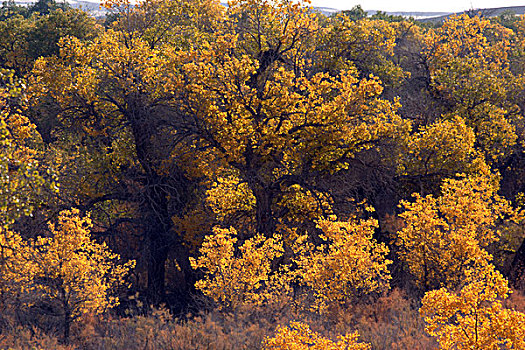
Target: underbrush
388 322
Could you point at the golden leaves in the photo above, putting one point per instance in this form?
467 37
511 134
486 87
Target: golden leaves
474 318
443 148
469 65
68 267
444 236
298 336
238 277
83 272
21 177
350 264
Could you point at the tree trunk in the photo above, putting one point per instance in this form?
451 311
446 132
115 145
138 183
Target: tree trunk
517 270
181 298
158 226
157 256
164 195
67 325
265 220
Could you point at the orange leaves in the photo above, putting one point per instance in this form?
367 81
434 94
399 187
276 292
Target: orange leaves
474 317
444 236
298 336
238 277
350 264
81 272
75 274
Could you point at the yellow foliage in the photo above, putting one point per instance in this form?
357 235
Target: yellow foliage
469 67
444 236
15 274
367 45
180 23
237 277
284 27
474 318
21 179
298 336
445 147
72 269
350 263
228 195
304 205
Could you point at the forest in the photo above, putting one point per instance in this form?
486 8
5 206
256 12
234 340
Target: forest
182 174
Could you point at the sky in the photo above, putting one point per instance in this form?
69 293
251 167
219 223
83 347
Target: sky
417 5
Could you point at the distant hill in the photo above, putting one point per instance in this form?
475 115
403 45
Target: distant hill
90 7
488 12
93 7
413 14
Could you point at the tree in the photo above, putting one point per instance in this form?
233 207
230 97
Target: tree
444 236
21 176
349 265
436 152
356 13
469 66
114 99
24 39
365 44
474 317
298 336
73 275
22 180
240 276
261 114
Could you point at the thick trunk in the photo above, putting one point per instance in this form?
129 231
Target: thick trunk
517 271
264 217
157 256
158 226
164 195
162 239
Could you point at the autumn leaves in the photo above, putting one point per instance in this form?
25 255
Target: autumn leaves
248 144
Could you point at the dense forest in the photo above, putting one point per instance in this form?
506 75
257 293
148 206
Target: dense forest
187 175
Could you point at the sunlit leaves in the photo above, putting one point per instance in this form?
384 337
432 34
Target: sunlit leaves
299 336
473 317
441 149
73 269
443 236
469 66
350 264
238 276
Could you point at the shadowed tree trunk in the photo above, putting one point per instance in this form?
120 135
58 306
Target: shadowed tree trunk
163 196
517 271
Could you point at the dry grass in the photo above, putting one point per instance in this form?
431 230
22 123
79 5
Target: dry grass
390 322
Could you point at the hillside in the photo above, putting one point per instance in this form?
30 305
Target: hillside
487 12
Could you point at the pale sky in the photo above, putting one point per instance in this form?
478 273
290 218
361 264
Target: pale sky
415 5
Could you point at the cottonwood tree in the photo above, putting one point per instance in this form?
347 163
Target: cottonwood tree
113 98
474 317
